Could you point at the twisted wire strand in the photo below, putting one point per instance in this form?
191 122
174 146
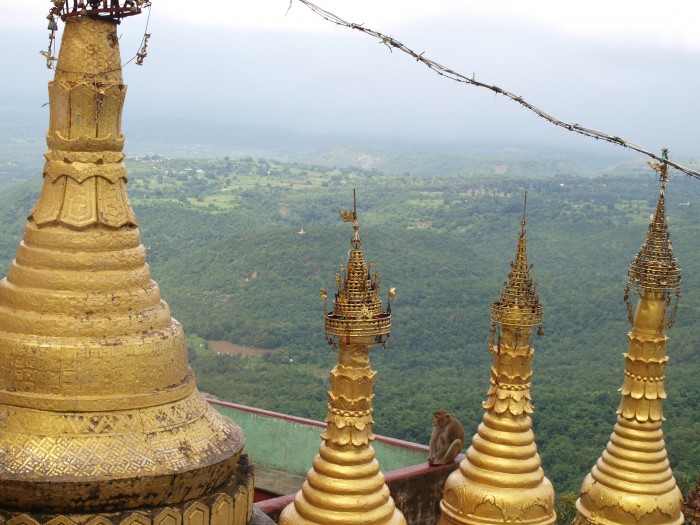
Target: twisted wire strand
444 71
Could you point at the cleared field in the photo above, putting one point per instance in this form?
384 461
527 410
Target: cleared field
224 347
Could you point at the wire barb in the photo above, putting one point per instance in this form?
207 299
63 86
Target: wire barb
141 55
443 71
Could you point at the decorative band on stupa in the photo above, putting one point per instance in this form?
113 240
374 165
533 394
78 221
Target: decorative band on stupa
345 485
100 417
632 482
501 479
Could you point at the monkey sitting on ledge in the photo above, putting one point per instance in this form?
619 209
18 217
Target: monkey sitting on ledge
447 439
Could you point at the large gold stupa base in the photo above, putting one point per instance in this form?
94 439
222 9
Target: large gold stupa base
229 504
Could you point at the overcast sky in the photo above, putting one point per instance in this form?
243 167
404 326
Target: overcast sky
628 67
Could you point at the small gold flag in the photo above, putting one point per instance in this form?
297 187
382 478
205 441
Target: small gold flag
347 216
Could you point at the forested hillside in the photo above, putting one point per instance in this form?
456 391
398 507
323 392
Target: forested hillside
224 243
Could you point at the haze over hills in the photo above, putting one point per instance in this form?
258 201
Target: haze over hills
22 132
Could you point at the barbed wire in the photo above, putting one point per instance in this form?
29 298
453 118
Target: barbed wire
444 71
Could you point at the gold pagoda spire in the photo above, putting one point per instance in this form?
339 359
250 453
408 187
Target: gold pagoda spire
501 480
632 482
345 485
100 418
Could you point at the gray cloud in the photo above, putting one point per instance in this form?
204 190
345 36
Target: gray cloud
314 86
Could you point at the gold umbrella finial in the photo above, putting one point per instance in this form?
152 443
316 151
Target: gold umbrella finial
518 303
357 308
655 268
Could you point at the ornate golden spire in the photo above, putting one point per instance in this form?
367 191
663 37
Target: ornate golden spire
655 268
345 485
518 303
100 418
501 479
632 482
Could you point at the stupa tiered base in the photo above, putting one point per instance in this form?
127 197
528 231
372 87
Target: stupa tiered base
344 487
632 483
500 480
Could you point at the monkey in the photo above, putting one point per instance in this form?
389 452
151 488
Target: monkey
447 439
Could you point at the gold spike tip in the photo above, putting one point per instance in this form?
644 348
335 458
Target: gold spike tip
655 268
518 303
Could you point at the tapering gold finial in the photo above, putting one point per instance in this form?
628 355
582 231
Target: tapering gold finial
518 303
632 482
655 268
357 307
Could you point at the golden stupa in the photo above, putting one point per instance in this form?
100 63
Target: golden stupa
345 485
632 482
100 419
501 479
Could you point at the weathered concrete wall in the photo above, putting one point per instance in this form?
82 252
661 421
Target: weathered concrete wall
260 518
417 490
